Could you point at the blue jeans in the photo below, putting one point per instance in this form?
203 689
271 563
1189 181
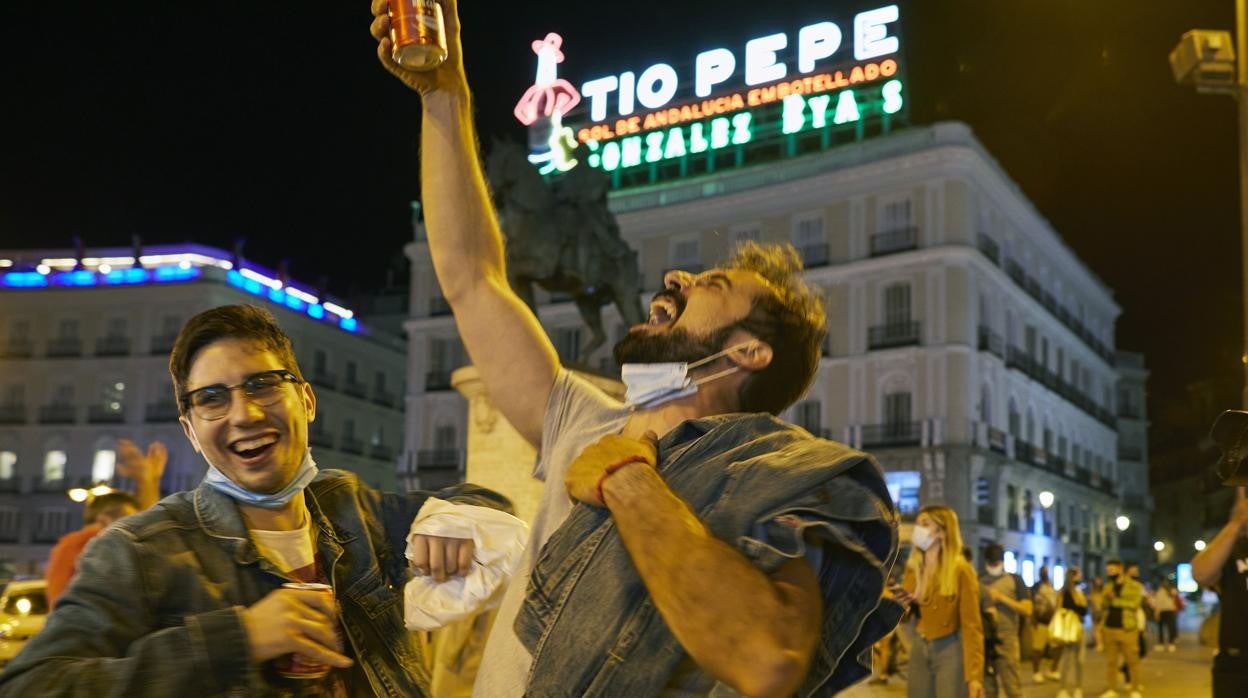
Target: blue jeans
936 668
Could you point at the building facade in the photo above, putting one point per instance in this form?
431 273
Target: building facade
969 349
84 354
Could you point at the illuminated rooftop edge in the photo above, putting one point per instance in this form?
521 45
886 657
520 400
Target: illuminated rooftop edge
164 264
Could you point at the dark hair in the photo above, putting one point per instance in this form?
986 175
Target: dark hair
1044 575
791 319
106 502
1113 561
993 553
246 322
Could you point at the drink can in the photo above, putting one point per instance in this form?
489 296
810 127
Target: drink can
297 666
417 34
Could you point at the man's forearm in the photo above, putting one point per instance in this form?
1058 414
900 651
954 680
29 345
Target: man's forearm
734 621
147 492
1207 565
464 238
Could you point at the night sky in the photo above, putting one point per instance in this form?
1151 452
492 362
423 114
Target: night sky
273 121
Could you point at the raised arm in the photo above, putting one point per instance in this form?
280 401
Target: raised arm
504 339
1207 565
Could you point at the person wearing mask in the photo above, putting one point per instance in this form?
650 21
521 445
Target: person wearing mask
1007 601
947 657
1166 604
1123 596
1044 599
1224 564
1072 654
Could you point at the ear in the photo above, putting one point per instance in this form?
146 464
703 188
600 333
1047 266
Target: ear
309 401
754 356
190 433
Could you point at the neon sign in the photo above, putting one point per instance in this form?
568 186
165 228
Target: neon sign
784 85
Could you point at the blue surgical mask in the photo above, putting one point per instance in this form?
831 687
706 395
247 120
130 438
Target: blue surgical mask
651 385
276 500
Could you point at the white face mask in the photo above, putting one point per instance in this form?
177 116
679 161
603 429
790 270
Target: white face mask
651 385
922 537
996 570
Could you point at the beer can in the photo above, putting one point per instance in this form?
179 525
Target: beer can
417 34
297 666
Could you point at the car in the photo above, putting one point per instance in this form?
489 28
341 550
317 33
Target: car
23 610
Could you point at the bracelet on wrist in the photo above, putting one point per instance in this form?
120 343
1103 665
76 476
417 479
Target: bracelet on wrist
610 469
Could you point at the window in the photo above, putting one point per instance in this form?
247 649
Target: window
19 330
897 409
379 381
567 341
8 464
10 523
51 523
319 361
1015 420
67 329
896 216
170 325
446 438
809 232
348 429
897 304
15 395
807 416
118 327
685 253
985 405
1029 571
445 355
63 395
112 396
350 372
103 464
1010 562
903 487
54 466
1029 340
747 235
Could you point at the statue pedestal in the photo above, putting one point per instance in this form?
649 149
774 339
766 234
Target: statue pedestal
497 456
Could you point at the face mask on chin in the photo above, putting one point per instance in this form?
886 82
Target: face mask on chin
655 368
996 570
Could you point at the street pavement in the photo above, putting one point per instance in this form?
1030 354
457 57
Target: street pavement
1181 674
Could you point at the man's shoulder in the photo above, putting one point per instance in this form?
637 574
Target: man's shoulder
176 511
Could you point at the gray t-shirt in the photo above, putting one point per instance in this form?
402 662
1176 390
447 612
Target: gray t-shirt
577 415
1007 618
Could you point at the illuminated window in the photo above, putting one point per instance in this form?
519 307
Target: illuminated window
1029 571
1010 562
1059 576
103 465
8 464
54 466
903 487
113 396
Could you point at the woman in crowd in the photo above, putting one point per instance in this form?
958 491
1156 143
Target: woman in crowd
1166 603
1073 653
940 587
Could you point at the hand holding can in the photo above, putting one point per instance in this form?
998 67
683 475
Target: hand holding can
417 34
298 620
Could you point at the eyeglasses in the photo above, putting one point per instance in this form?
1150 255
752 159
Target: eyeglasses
212 402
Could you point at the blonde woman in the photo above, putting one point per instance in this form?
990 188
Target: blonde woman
939 586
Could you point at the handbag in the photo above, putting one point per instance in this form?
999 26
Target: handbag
1065 628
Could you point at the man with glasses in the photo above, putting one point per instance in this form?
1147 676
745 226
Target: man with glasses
187 598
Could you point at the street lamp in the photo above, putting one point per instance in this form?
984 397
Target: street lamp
1199 545
78 494
1123 523
1046 499
1159 545
1207 60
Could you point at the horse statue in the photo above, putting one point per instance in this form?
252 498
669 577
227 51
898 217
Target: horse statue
563 239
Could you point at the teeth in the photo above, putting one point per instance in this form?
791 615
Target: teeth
252 444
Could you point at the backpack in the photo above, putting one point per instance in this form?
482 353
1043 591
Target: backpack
1044 607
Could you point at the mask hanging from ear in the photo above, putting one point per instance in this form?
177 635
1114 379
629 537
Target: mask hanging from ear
651 385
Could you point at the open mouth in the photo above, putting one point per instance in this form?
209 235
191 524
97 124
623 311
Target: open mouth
254 448
663 311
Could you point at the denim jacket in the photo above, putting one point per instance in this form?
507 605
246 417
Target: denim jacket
755 482
155 607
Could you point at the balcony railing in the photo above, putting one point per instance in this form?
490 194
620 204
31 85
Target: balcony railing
437 380
1030 366
991 342
990 248
11 485
112 346
12 414
57 414
1037 292
438 459
59 485
323 379
383 398
893 241
164 411
996 440
321 438
892 434
381 452
1128 411
815 255
162 344
438 306
354 389
1135 455
17 349
64 347
350 444
103 414
895 334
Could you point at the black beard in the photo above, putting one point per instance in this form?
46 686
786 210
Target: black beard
639 347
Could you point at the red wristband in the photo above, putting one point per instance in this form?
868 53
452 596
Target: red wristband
614 467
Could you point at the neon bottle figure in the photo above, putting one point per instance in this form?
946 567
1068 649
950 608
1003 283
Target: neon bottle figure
417 34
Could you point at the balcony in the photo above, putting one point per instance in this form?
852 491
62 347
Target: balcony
104 414
57 414
438 459
996 440
437 380
1033 289
991 342
112 346
11 485
990 248
323 379
350 444
381 452
64 348
894 241
17 349
1018 359
46 486
1128 412
986 515
354 389
1135 455
894 334
158 412
383 398
438 306
892 435
12 414
162 344
320 438
815 255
